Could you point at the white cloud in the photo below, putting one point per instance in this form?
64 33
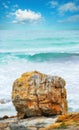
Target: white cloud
71 7
9 14
54 4
74 18
15 6
23 16
5 6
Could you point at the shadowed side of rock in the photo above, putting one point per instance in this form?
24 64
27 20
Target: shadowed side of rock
37 94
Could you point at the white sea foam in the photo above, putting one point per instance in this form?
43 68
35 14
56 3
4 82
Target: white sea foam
31 51
12 70
18 54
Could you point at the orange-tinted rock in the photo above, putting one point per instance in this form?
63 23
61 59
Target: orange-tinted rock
69 120
70 117
36 94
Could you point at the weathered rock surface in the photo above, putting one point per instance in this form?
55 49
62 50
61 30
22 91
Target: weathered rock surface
69 121
33 123
36 94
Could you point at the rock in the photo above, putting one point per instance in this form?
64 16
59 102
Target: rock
4 101
69 121
32 123
36 94
5 117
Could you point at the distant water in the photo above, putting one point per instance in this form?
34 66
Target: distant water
51 52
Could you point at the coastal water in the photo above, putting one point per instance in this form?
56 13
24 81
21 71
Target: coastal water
51 52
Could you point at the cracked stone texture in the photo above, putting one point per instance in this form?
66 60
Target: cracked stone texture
36 94
70 120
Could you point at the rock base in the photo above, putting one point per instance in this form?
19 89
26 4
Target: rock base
69 121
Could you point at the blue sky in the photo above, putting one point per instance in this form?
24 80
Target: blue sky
39 14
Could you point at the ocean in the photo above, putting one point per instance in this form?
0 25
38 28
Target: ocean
47 51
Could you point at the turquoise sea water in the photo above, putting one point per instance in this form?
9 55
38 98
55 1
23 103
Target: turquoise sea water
51 52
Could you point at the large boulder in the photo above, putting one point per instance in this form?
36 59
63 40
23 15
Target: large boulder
36 94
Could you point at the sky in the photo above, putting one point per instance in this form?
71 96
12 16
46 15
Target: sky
39 14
